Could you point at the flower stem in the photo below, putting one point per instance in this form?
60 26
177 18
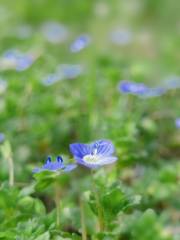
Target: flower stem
8 156
11 171
57 202
83 224
101 224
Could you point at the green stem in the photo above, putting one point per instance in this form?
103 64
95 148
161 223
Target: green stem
11 171
7 154
57 202
101 224
83 224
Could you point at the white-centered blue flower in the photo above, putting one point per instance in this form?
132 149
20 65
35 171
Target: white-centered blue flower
95 154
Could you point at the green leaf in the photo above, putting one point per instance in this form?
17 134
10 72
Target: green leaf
114 200
44 236
44 179
27 190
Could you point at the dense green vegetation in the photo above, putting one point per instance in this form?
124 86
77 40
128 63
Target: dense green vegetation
41 114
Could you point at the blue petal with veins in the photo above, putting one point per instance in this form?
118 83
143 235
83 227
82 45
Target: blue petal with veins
95 154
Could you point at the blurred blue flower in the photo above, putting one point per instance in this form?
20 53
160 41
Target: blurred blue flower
140 89
172 82
121 36
153 92
55 166
132 87
177 122
54 32
95 154
69 71
63 71
80 43
51 79
2 137
23 31
17 60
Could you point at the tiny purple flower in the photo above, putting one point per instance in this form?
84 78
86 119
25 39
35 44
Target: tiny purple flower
95 154
80 43
177 122
55 166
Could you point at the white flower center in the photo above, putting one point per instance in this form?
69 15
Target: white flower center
91 158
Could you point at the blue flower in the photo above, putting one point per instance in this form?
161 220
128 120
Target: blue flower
2 137
14 59
177 122
121 36
70 71
55 166
132 87
153 92
24 31
172 82
140 89
51 79
54 32
63 71
95 154
80 43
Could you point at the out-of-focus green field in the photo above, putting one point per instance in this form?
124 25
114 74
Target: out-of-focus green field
140 193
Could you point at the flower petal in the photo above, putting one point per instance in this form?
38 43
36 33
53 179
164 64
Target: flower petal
69 167
80 150
36 170
89 165
105 147
107 160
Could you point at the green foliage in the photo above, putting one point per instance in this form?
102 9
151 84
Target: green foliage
149 227
113 199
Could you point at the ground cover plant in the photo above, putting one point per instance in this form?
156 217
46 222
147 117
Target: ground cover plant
89 120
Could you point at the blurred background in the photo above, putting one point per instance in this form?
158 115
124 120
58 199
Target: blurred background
63 64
